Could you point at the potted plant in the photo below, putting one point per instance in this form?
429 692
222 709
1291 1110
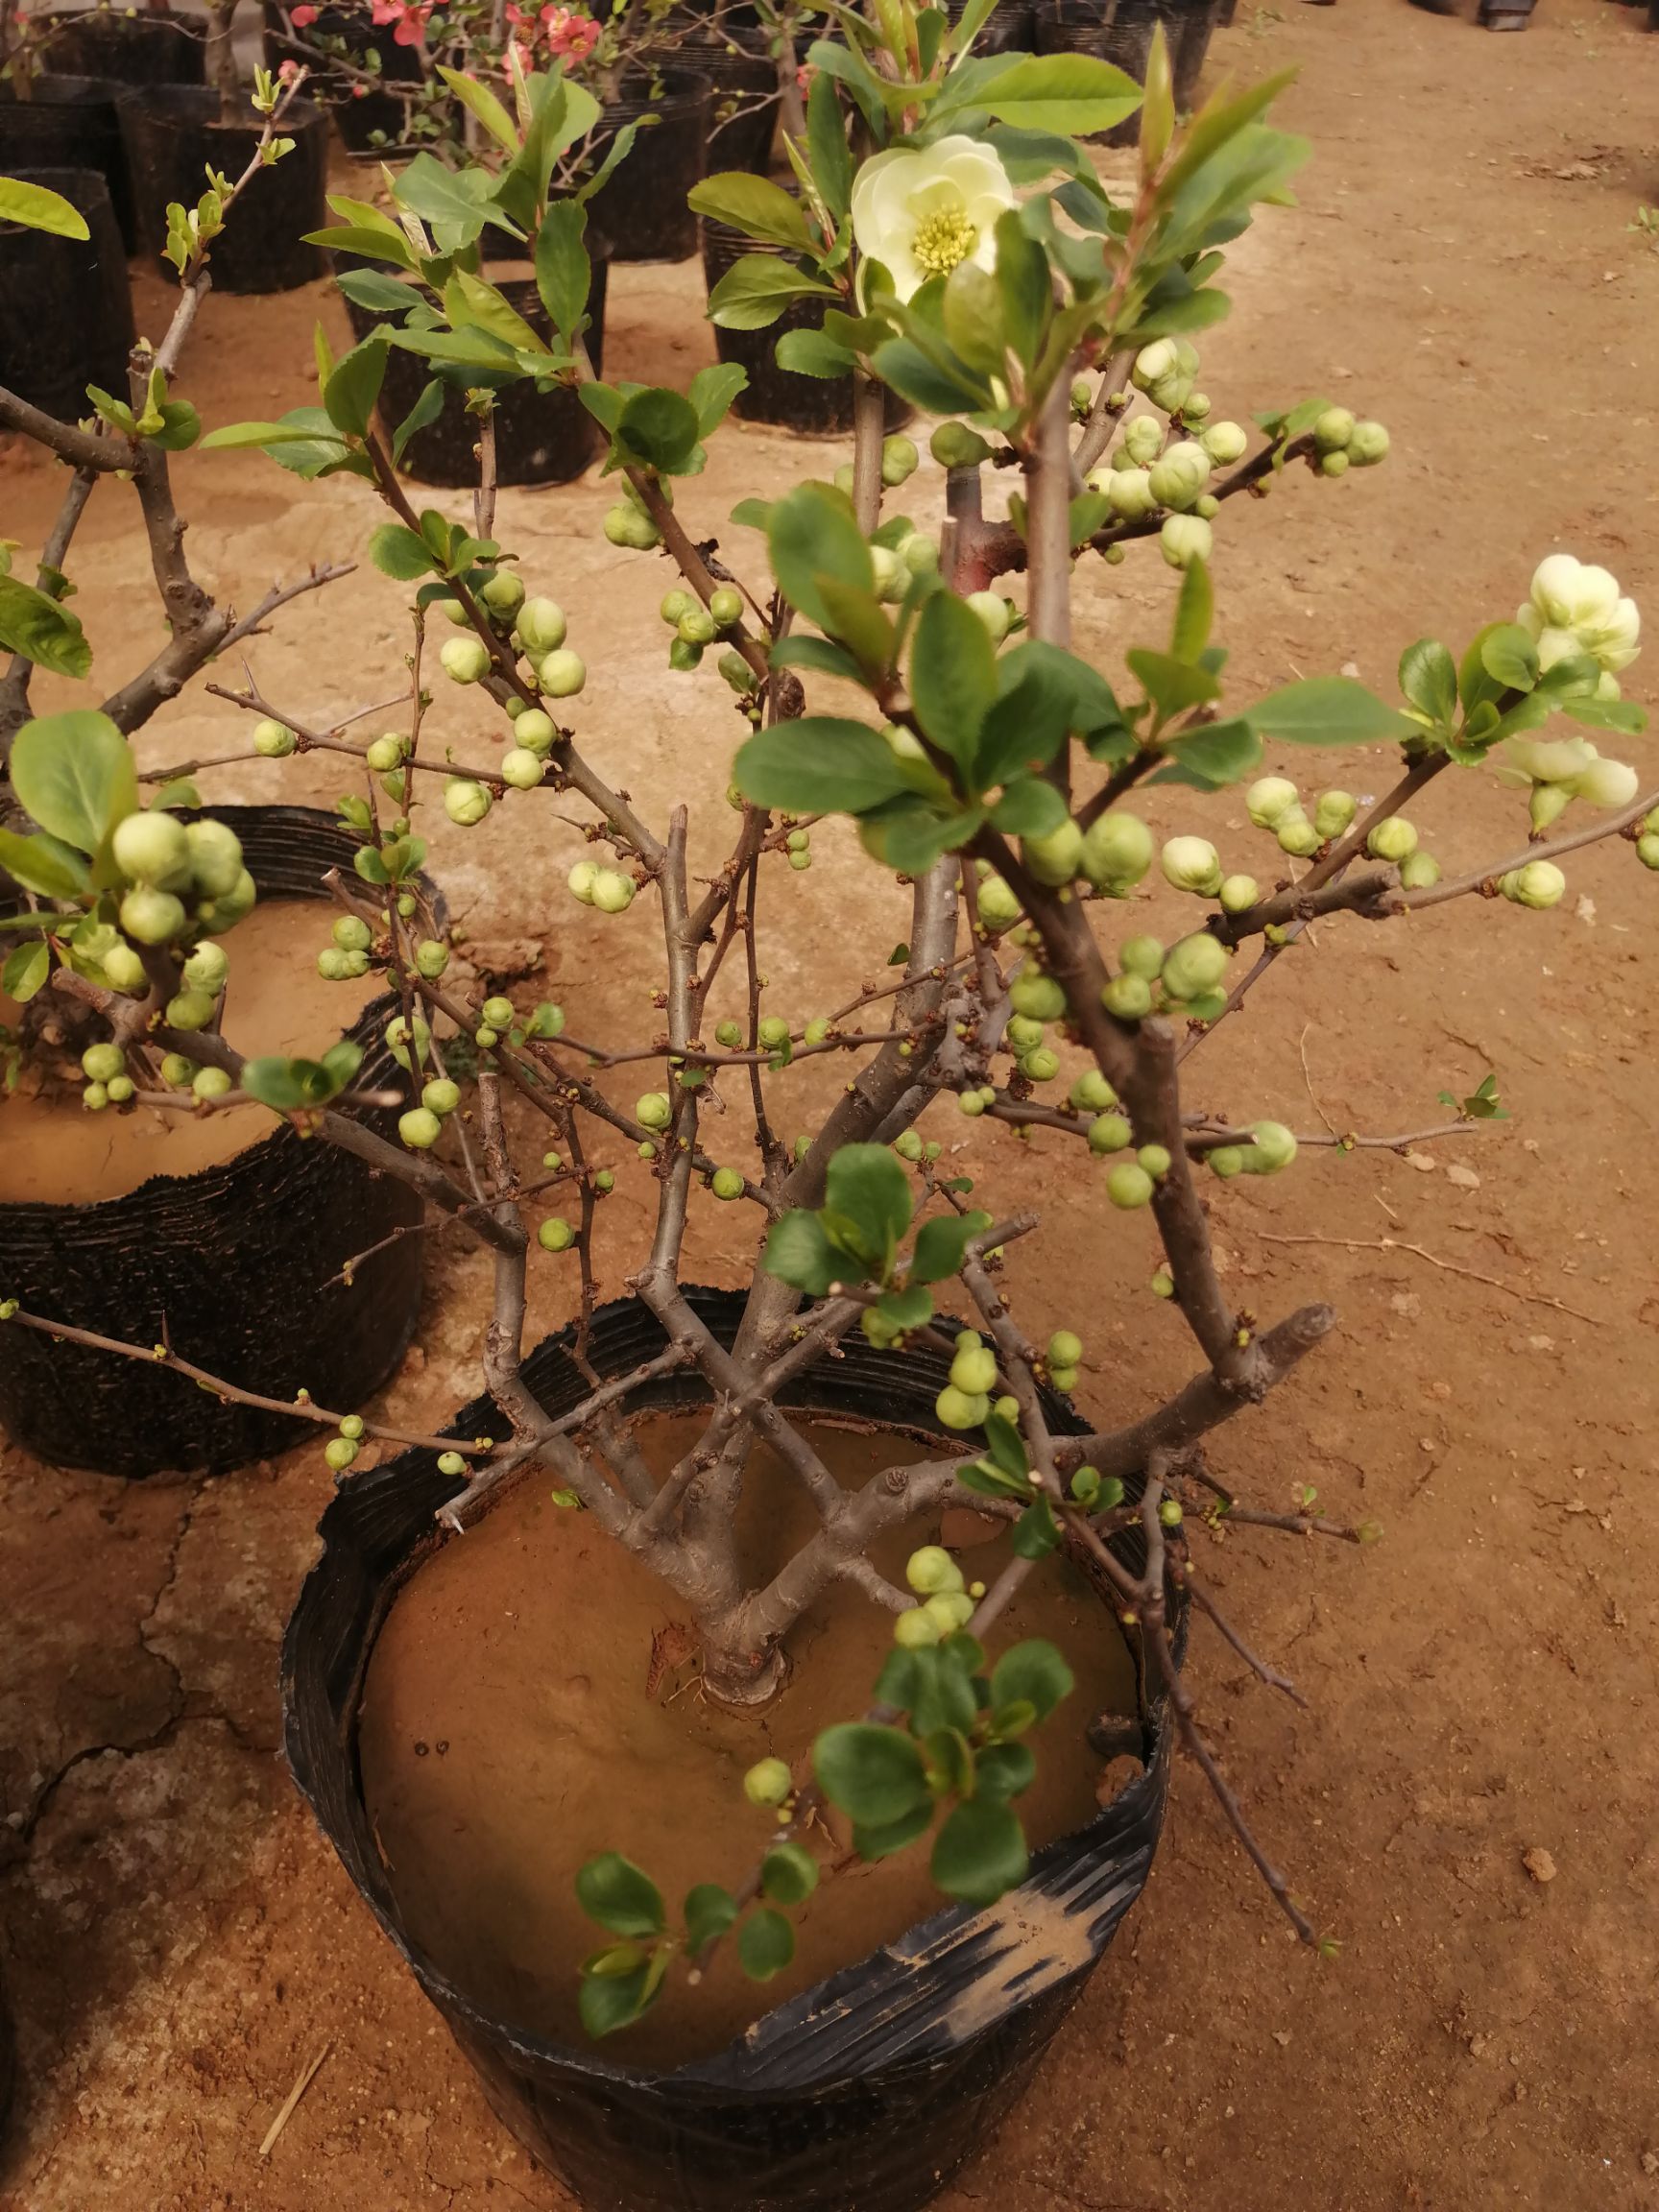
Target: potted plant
109 1180
56 122
366 62
779 1464
66 301
155 45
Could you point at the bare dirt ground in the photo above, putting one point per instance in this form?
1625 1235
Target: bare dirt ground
178 1943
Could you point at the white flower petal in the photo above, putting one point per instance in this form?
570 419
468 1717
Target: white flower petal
1607 784
1548 760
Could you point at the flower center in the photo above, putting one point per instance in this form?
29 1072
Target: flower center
942 240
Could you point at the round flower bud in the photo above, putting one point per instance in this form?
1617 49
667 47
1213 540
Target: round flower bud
1275 1143
581 881
521 768
1038 997
1419 872
541 627
441 1097
955 445
956 1410
1142 441
1065 1350
998 906
534 731
498 1013
1056 858
274 740
102 1063
1196 965
907 1144
1540 883
464 659
331 965
210 1082
891 575
918 554
1368 445
949 1610
1129 1185
1647 848
969 1103
915 1629
1334 812
1127 996
725 606
1116 852
1141 956
176 1070
1092 1094
1192 864
1156 1160
215 858
1269 800
207 966
554 1235
1333 430
1334 464
1391 839
1238 893
385 753
464 802
726 1183
1225 443
651 1111
994 611
1297 835
1131 493
1226 1161
504 594
1063 1379
150 917
974 1372
123 971
1180 474
1110 1131
152 849
561 673
420 1128
696 626
768 1782
1185 538
899 460
451 1463
340 1451
352 933
451 611
1023 1034
1153 362
931 1571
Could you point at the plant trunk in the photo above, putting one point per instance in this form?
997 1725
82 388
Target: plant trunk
222 60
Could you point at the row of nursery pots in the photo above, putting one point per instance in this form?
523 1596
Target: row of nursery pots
873 2086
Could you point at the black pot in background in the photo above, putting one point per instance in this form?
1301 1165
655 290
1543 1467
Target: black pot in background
743 82
154 47
236 1262
642 210
1117 31
1008 29
541 437
869 2091
65 304
356 118
174 133
819 406
68 123
1191 35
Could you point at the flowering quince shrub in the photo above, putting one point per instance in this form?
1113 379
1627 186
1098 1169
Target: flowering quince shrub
966 255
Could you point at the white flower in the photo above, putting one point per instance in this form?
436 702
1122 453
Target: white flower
922 212
1574 609
1571 768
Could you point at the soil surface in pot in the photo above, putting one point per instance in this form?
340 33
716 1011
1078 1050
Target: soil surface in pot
54 1152
532 1701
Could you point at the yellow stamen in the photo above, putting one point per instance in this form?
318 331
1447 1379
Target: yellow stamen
942 240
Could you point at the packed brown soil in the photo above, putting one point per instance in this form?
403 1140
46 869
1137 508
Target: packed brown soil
53 1151
1482 1685
509 1732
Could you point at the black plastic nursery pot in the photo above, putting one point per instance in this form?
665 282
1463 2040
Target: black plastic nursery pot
541 437
1008 29
360 113
866 2093
1192 35
744 94
174 133
236 1262
1119 31
642 210
152 46
68 123
65 304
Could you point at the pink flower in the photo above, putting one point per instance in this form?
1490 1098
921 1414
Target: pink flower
302 18
570 34
408 15
288 71
803 76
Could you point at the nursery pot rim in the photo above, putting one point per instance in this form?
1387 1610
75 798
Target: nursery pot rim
197 99
96 181
725 2069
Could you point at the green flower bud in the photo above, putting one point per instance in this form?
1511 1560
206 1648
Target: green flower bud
555 1234
152 849
907 1144
768 1782
102 1063
95 1097
726 1183
441 1097
215 858
1082 396
1192 864
973 1372
420 1128
1238 893
1023 1034
1154 362
1419 871
1333 430
521 768
931 1571
1039 998
653 1111
464 802
949 1610
1127 996
1197 406
274 740
541 627
1180 474
214 916
1334 812
725 606
451 1463
1065 1350
1334 464
994 611
535 732
331 965
118 1090
729 1035
1197 964
561 673
1275 1143
1110 1131
1646 851
891 577
740 675
1116 852
899 460
352 933
958 1409
1225 443
1269 800
696 626
1156 1160
1297 835
208 1082
431 958
123 971
955 445
340 1451
451 611
1056 858
176 1072
773 1032
190 1010
915 1629
1063 1380
1142 441
1226 1161
1540 883
918 554
581 881
1131 494
498 1013
464 659
1129 1185
1368 445
351 1427
605 1182
1391 839
1185 538
1092 1094
1141 956
504 594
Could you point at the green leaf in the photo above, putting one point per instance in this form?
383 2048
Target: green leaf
37 209
908 1309
1036 1533
1509 656
801 650
798 1252
1026 288
616 1893
811 534
765 1944
1194 610
1172 685
867 1202
35 625
399 552
607 2002
753 205
755 290
1211 758
709 1911
830 161
44 865
73 774
28 965
1071 94
478 100
1003 1771
952 676
814 353
1624 715
378 292
1034 1673
940 1245
713 391
880 1840
874 1773
819 766
180 426
1029 807
979 1854
425 410
1327 711
472 304
788 1874
455 202
1429 680
660 428
1006 1446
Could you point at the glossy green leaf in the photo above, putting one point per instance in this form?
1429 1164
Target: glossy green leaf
44 865
1429 680
607 2002
827 151
1036 1533
940 1243
765 1944
755 290
27 966
73 775
788 1874
1033 1673
819 766
880 1840
399 552
952 676
1211 757
37 207
811 534
872 1773
979 1854
1327 711
798 1252
867 1202
564 268
753 205
41 629
1004 1771
620 1896
709 1911
1509 655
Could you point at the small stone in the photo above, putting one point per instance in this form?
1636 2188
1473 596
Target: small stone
1539 1864
1282 2036
1465 1178
1650 2161
1424 1162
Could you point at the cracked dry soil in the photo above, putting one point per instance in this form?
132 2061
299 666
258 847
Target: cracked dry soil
179 1945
